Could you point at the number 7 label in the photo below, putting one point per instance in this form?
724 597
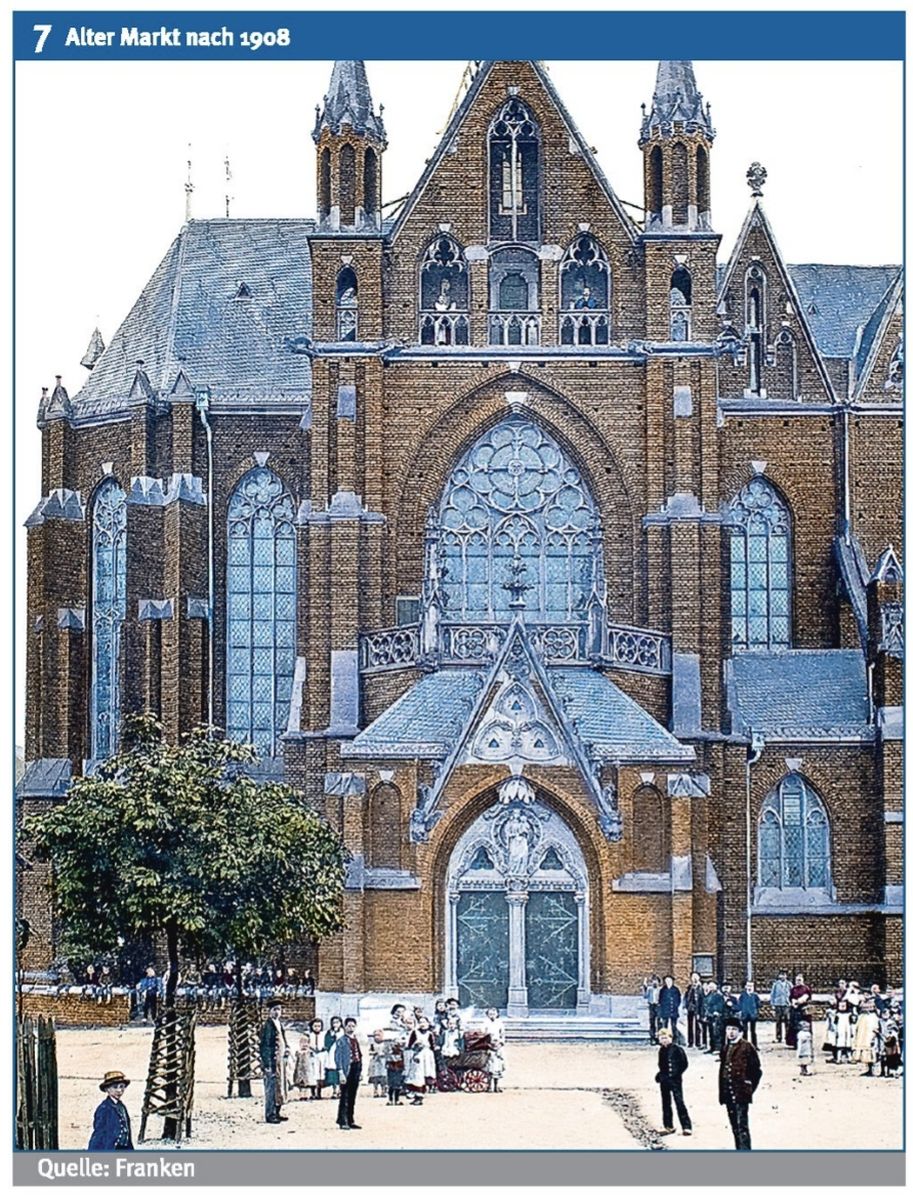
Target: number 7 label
42 31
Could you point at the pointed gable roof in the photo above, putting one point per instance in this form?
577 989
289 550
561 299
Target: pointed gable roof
756 218
459 116
348 102
676 101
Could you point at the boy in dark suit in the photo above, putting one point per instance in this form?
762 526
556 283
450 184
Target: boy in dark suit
111 1128
673 1063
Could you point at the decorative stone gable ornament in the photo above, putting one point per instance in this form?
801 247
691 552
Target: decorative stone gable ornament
609 816
756 176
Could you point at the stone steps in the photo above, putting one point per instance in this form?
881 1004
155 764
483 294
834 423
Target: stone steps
617 1030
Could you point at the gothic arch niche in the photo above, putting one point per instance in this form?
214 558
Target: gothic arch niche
385 828
650 850
347 185
518 909
513 150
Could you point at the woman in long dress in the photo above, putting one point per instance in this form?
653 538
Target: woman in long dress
318 1058
866 1037
799 999
420 1065
843 1031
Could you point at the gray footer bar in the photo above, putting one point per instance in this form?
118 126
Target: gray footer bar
568 1168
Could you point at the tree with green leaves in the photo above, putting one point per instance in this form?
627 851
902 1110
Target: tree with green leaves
178 841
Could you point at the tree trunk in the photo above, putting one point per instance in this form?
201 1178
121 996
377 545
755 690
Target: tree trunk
170 1130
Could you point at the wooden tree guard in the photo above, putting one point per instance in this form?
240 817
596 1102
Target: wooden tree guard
169 1087
36 1079
243 1043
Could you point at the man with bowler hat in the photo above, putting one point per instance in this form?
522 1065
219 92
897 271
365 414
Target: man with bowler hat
111 1129
740 1074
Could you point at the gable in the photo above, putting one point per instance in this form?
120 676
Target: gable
791 364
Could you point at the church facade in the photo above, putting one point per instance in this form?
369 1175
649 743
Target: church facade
555 561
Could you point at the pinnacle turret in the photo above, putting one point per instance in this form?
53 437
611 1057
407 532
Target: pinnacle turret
348 102
676 102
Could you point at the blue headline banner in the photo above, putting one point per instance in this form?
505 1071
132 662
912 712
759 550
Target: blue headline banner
109 36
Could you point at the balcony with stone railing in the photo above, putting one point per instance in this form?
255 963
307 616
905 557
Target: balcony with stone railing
475 643
513 328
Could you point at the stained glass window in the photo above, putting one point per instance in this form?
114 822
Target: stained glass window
793 837
760 552
260 599
516 495
109 607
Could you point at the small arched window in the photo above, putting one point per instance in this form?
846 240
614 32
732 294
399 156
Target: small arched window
324 184
656 182
444 294
347 305
755 322
680 189
347 185
760 558
513 280
787 364
680 305
585 293
650 849
513 145
260 610
703 185
794 837
385 828
109 608
371 197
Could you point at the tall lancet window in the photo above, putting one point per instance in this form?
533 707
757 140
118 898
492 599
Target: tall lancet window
260 607
760 553
585 290
794 838
755 322
516 509
513 142
347 305
109 607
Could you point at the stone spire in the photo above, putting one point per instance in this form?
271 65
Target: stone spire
94 350
676 101
348 102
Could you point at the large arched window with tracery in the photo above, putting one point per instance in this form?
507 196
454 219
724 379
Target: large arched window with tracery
513 194
517 508
109 607
794 837
760 552
260 603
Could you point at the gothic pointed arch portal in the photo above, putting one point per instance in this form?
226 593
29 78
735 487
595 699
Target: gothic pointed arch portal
518 909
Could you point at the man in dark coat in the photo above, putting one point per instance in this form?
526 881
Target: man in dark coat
740 1074
670 1001
673 1063
111 1128
273 1053
348 1063
713 1012
694 1007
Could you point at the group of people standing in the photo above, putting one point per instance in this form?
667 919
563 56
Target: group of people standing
706 1007
406 1058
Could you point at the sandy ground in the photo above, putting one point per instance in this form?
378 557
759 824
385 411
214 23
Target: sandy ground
554 1097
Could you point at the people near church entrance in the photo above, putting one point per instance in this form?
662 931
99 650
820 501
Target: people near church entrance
779 1002
348 1059
714 1007
865 1037
453 1010
111 1126
694 1008
799 998
890 1057
805 1047
274 1056
420 1067
377 1063
330 1038
493 1027
308 984
730 1002
740 1074
651 991
840 990
880 1002
148 988
673 1062
749 1007
670 1001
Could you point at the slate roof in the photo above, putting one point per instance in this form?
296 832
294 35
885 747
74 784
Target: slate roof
676 100
188 318
45 777
430 718
837 300
348 102
792 693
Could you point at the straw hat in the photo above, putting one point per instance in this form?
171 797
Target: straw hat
112 1079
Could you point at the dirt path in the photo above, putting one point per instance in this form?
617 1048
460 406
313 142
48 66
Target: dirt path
577 1097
